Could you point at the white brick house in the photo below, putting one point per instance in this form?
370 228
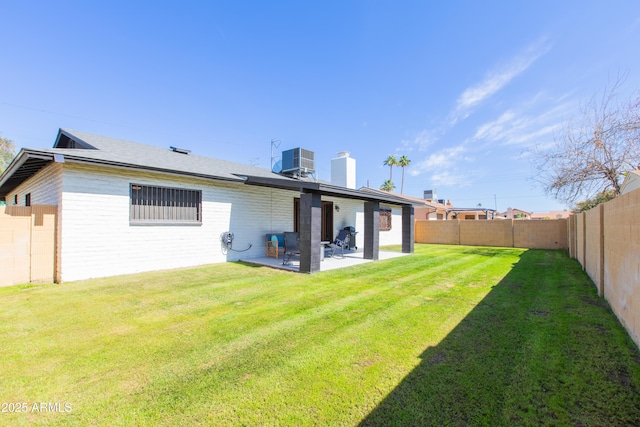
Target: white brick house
125 207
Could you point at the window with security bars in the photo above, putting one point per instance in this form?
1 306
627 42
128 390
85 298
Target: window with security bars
164 205
385 219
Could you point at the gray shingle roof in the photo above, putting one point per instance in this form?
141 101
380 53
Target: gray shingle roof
81 147
141 156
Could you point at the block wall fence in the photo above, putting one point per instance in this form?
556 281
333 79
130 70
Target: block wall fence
27 244
606 242
548 234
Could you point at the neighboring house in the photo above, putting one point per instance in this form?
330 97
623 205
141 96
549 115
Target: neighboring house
125 207
631 182
513 213
551 215
433 210
423 209
467 214
438 209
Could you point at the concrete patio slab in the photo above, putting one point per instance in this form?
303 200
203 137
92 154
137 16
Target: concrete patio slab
350 259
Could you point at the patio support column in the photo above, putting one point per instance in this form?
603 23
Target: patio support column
371 230
310 231
408 225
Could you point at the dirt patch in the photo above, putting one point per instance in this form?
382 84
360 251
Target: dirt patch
364 364
596 302
437 358
621 377
539 312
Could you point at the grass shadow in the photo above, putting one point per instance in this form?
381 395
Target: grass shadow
540 348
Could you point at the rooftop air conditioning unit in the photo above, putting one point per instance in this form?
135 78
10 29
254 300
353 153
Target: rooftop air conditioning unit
298 161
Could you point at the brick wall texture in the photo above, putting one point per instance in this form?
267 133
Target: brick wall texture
27 244
607 245
549 234
622 260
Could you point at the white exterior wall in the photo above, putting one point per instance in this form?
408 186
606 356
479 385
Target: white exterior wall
352 213
631 182
346 216
98 241
95 238
45 187
393 236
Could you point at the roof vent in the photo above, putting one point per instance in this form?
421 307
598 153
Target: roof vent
64 141
180 150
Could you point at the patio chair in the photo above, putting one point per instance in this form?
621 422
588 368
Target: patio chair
341 242
274 244
291 246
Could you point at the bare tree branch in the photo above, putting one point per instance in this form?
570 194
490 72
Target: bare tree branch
594 150
7 151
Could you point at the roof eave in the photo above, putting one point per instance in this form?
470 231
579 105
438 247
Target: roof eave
25 154
327 189
18 162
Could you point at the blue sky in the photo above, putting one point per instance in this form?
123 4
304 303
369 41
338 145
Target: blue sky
462 88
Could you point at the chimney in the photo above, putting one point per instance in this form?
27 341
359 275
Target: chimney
343 170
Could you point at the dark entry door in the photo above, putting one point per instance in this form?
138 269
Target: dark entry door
327 219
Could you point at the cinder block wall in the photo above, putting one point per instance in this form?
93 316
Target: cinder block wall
27 244
547 234
593 246
580 241
439 232
622 260
607 244
486 233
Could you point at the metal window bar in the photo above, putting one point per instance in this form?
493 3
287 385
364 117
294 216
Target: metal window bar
164 204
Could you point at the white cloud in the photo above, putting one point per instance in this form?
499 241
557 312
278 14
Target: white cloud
421 141
513 128
476 94
439 162
497 79
493 130
444 178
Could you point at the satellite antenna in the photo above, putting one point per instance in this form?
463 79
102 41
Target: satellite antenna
276 163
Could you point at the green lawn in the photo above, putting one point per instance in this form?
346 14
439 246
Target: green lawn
448 336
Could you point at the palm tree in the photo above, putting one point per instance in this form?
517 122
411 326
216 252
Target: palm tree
403 162
391 162
387 186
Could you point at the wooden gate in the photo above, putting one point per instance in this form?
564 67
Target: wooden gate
27 244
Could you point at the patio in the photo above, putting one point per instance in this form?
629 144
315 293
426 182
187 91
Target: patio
351 258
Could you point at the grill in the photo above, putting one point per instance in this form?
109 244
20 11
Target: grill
352 237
